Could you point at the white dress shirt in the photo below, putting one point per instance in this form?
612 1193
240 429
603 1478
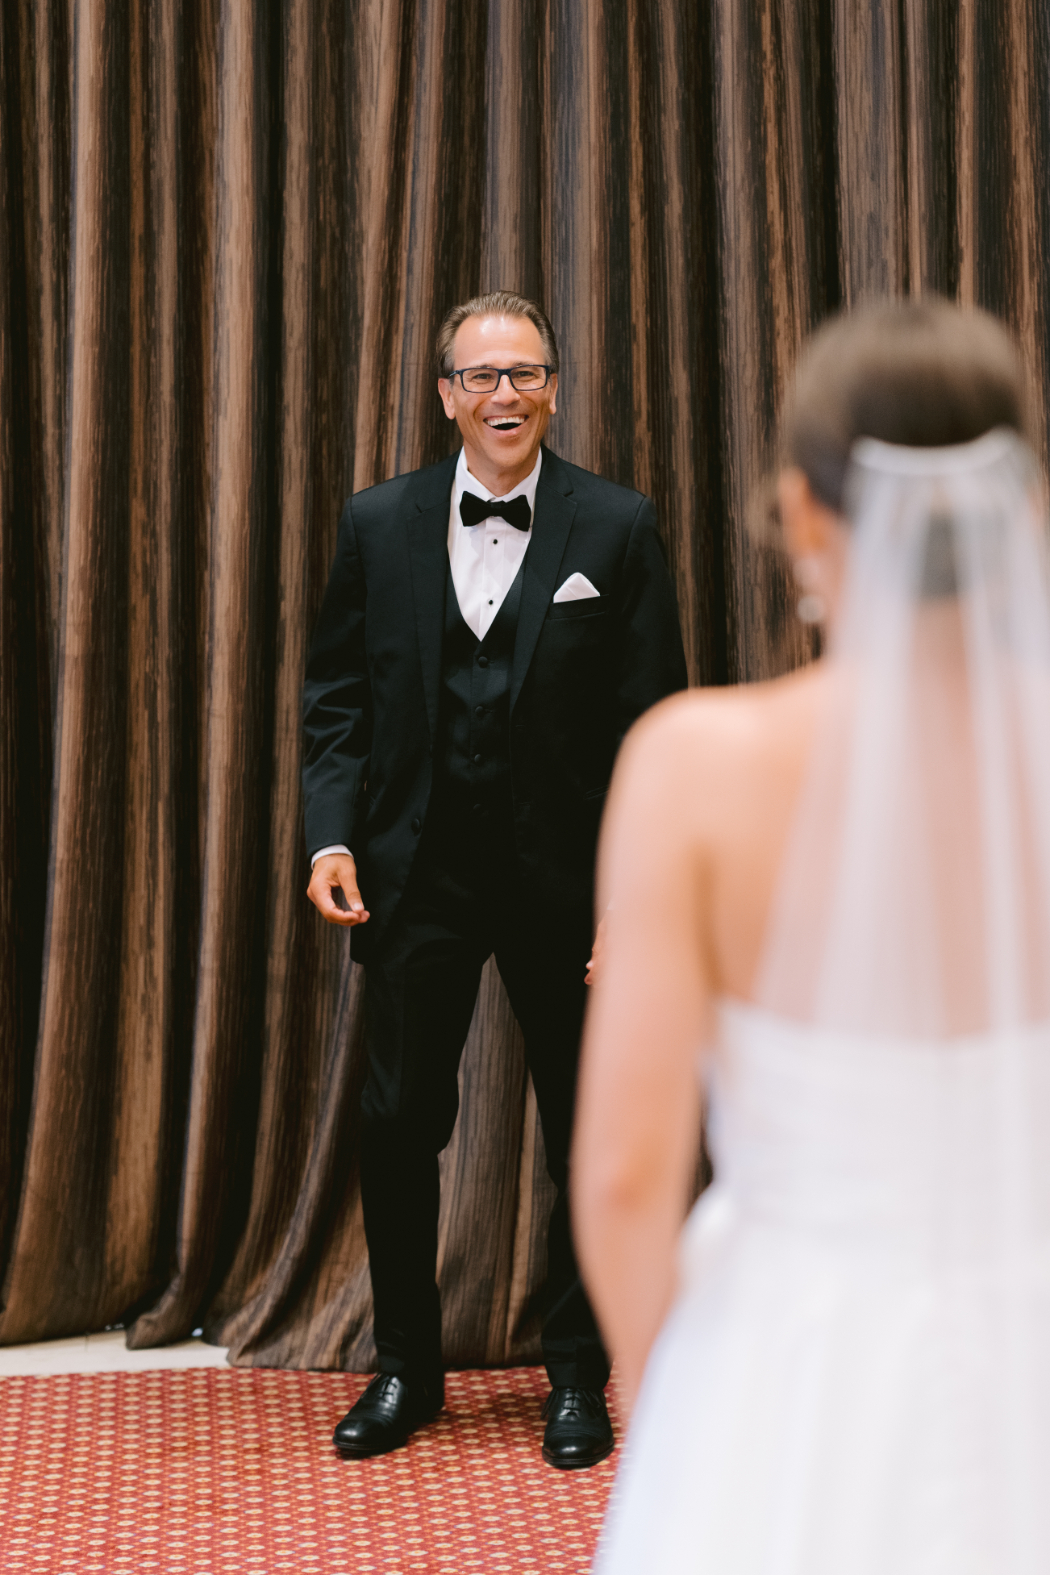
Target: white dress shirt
484 558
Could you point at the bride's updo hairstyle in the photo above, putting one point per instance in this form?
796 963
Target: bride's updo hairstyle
922 373
914 895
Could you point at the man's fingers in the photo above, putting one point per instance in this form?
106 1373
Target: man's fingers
329 909
334 892
323 898
352 896
352 910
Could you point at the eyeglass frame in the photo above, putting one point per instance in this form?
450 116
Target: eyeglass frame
501 373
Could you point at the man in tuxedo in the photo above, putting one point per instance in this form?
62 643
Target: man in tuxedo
492 626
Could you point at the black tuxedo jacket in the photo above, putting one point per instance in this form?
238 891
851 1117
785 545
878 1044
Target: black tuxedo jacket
582 672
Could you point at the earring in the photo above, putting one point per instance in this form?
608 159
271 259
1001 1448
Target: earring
811 606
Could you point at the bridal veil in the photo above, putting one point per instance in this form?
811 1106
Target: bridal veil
915 897
913 910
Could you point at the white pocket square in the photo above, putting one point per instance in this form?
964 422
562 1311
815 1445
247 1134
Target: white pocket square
576 587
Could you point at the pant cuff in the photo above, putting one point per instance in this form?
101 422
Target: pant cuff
577 1375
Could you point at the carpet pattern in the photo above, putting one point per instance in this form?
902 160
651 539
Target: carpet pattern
207 1471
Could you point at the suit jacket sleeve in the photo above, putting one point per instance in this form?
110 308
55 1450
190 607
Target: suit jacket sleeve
652 663
337 702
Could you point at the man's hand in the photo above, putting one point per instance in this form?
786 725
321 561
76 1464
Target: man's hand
333 890
594 965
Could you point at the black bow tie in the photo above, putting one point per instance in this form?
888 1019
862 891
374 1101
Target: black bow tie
516 511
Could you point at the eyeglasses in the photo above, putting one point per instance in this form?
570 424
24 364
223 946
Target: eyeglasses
486 379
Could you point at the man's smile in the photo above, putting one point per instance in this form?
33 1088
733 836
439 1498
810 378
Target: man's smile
505 423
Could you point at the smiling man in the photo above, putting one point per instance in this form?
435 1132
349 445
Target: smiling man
492 627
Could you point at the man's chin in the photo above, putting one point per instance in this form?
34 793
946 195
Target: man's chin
511 450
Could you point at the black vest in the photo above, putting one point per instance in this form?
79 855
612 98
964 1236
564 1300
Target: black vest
472 760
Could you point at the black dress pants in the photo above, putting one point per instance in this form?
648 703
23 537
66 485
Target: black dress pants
463 903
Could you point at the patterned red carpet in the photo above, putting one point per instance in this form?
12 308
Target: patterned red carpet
207 1471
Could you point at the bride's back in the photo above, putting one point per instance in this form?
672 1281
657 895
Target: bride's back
739 760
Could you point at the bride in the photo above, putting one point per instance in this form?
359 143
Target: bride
838 884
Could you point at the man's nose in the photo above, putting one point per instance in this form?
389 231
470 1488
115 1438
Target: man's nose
506 393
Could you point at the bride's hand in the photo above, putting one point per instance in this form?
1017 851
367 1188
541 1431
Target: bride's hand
595 961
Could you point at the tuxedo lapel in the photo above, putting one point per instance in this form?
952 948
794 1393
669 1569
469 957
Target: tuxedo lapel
427 529
550 532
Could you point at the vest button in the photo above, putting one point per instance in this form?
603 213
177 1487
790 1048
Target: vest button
477 809
483 661
479 710
416 825
477 760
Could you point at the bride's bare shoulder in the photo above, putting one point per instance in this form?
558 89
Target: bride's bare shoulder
721 746
733 723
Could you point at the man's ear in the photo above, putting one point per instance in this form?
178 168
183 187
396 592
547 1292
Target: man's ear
445 390
553 386
808 524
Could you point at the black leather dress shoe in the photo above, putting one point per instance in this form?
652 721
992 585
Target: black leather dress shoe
578 1431
387 1413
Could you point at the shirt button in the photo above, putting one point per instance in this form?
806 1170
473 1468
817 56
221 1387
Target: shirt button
416 825
483 661
479 710
490 601
495 543
477 760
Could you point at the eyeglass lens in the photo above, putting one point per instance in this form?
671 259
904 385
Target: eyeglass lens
483 379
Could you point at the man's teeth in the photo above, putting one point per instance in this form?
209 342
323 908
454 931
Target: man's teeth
504 423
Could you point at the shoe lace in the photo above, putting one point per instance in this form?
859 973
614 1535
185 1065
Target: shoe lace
380 1385
571 1402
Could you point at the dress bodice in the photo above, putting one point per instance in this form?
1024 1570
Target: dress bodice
935 1147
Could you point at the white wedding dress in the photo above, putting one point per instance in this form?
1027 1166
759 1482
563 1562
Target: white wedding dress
855 1377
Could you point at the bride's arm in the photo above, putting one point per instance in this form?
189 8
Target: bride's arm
637 1125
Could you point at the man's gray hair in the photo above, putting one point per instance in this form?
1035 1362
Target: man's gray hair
499 303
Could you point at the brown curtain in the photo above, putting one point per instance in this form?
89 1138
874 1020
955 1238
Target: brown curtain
227 234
